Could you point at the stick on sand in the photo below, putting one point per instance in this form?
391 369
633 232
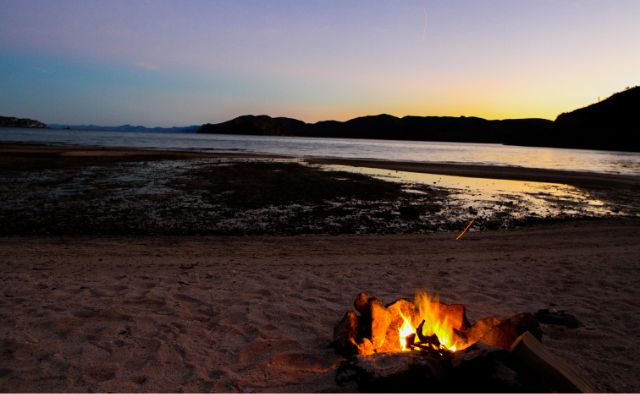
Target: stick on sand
466 229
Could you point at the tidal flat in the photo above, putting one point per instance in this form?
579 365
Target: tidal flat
69 191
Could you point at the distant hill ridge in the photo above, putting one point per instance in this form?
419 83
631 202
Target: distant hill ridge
10 121
611 124
127 127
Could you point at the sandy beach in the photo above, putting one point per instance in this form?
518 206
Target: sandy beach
256 313
122 269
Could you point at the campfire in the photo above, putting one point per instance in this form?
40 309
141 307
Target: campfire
425 325
424 345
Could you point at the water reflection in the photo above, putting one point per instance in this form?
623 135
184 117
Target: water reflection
494 199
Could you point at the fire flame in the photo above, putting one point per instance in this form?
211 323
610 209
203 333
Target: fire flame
436 321
405 331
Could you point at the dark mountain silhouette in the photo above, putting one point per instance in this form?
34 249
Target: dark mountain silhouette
9 121
258 125
385 127
611 124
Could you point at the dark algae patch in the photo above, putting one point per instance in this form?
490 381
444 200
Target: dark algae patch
246 185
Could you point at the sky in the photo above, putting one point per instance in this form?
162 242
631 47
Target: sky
183 62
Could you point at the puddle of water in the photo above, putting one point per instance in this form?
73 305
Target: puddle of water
485 197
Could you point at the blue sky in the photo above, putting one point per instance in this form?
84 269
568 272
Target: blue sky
189 62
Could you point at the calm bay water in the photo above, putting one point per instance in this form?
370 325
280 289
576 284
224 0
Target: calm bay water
441 152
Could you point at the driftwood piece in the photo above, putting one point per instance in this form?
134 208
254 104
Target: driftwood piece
542 365
402 305
373 322
466 229
480 328
362 301
396 310
362 304
456 316
345 334
380 320
502 333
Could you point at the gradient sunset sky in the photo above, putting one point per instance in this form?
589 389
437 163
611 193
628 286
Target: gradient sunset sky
164 63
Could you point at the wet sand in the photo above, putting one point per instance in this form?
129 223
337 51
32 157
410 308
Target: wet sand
75 191
256 313
13 154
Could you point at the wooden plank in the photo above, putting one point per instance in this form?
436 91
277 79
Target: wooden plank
540 363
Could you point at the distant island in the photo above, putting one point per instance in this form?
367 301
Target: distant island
9 121
611 124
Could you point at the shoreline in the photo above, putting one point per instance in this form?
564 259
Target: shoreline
574 178
256 313
114 152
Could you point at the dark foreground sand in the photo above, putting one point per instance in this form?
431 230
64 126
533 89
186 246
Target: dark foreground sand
256 313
